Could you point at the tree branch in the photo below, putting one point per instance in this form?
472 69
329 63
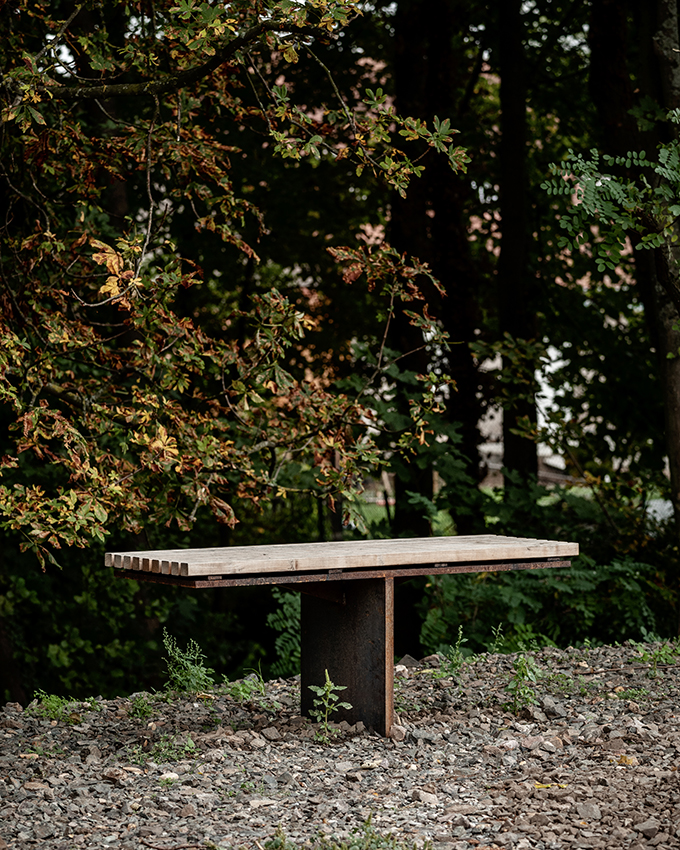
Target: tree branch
171 82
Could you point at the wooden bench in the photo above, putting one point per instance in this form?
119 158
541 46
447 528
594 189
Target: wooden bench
347 624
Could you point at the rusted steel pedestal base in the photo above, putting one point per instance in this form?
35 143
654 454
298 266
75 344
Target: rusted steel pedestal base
354 641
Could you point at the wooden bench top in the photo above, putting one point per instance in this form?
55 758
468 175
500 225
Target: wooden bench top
344 555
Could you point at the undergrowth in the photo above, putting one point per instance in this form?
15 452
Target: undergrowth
362 838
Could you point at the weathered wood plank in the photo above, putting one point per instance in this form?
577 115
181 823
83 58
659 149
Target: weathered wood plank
306 557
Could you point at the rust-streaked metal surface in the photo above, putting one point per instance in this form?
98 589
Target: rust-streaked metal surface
355 643
244 580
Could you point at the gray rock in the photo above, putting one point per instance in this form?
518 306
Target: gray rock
506 839
589 811
421 796
648 828
271 733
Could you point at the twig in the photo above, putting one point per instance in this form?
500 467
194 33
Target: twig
67 23
390 314
293 121
110 117
152 204
350 117
192 515
106 300
175 847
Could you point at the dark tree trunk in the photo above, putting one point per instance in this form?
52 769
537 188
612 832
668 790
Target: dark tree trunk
517 316
10 677
653 56
430 223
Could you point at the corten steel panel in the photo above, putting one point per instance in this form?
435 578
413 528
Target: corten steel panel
284 579
354 642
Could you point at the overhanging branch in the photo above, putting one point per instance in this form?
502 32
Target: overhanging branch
172 82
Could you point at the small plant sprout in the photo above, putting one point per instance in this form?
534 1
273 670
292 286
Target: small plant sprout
454 660
519 684
53 707
498 640
187 672
326 704
140 707
667 653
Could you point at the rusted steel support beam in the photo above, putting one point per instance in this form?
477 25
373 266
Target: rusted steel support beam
355 643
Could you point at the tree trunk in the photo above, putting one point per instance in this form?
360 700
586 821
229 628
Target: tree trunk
657 75
517 317
10 678
430 223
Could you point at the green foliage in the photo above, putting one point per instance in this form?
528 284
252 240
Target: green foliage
201 402
250 689
364 838
611 602
286 621
633 693
454 659
666 653
54 707
604 596
186 668
168 748
496 644
645 205
526 673
140 707
326 705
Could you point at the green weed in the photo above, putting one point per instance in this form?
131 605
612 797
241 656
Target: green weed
167 749
362 838
454 660
141 707
667 653
561 683
247 689
498 640
53 707
633 693
519 684
186 668
326 704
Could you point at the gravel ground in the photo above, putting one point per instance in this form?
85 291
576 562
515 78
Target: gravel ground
594 762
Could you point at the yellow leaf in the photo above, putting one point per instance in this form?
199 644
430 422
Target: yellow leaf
110 288
290 54
107 256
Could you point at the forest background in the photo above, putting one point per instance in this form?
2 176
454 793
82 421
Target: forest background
246 266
